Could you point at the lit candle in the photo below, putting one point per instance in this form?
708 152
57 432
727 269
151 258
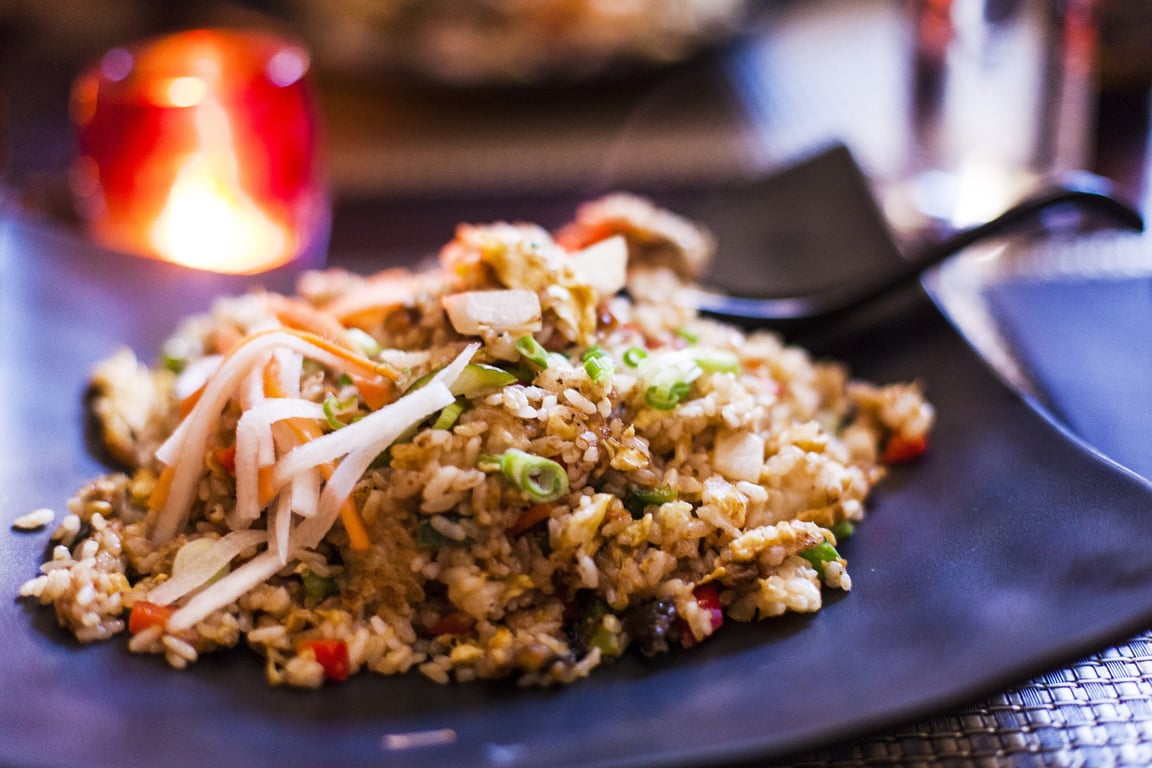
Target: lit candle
202 148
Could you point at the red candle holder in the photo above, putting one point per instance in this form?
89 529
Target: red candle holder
203 148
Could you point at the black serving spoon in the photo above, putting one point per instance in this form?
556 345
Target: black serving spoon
810 242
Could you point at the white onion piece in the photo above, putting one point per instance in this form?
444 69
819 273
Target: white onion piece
339 487
200 569
511 309
603 265
219 594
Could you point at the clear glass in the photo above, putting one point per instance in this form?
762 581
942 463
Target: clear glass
1002 97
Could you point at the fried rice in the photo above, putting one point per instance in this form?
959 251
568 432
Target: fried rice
523 463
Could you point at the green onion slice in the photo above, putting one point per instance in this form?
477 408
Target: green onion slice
449 414
531 351
819 555
541 479
633 356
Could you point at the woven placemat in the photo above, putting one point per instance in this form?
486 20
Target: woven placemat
1096 712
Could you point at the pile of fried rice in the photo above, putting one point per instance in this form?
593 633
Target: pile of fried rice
525 462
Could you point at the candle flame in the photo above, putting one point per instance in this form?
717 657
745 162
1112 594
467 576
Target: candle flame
208 221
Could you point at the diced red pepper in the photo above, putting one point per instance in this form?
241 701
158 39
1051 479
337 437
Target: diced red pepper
455 623
707 599
529 518
900 449
227 458
145 614
332 655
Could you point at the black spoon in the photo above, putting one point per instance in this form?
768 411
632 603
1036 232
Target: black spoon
811 242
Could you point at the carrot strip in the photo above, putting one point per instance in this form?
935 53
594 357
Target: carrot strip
358 538
304 317
376 392
188 403
266 490
159 493
357 363
304 431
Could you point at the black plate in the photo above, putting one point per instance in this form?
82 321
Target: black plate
1008 550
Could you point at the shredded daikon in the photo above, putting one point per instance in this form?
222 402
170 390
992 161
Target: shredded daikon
184 449
256 571
200 569
255 448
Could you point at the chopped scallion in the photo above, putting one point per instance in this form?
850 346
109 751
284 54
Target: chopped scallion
598 365
531 351
633 356
365 342
665 398
641 497
718 361
478 379
541 479
843 529
334 408
449 414
318 587
819 555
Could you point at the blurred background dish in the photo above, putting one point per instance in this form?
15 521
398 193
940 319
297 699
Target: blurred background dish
511 41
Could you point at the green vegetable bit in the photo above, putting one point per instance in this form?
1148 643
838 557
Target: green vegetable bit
478 379
633 356
819 555
364 342
640 497
541 479
334 408
843 529
531 351
598 365
319 587
175 353
450 413
665 398
718 361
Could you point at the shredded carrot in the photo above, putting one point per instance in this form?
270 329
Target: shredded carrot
357 363
354 525
159 493
376 392
266 491
305 430
302 316
188 403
